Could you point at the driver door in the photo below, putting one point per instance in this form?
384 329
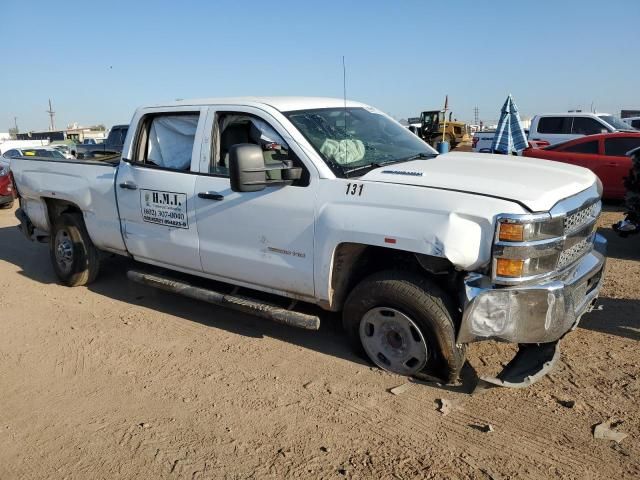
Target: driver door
258 239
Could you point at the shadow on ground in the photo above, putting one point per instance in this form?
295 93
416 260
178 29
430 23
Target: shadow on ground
618 316
33 261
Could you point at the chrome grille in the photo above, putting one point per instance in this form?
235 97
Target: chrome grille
577 219
570 255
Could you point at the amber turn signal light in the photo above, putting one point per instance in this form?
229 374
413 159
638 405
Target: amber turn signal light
507 267
511 232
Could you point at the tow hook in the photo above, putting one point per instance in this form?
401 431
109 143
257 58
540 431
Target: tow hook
530 364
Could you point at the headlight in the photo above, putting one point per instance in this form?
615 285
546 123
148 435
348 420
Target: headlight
514 230
526 247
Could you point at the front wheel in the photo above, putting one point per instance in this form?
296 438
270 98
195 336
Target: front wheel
75 258
404 324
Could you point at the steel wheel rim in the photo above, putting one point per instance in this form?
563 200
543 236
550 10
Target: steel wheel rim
393 341
63 246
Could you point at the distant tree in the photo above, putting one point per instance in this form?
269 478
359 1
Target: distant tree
13 132
99 127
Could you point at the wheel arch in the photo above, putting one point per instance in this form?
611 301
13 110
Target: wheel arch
57 207
352 262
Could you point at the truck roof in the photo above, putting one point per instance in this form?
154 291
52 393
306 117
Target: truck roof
572 114
283 104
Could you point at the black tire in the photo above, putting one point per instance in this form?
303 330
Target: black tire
7 206
424 303
80 263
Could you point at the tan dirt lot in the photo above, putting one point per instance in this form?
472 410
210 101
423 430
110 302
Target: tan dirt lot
122 381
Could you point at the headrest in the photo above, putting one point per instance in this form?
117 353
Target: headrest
234 134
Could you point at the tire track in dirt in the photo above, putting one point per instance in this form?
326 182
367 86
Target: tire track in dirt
533 451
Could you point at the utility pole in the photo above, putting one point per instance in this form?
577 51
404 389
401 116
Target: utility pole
475 115
52 115
15 123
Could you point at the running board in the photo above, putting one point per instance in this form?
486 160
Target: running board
236 302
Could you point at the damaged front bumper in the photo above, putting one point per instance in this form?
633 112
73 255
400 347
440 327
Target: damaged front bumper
537 315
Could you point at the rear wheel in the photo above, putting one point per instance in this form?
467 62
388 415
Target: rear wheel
7 205
75 259
404 324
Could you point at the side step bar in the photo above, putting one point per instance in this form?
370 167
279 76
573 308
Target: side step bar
235 302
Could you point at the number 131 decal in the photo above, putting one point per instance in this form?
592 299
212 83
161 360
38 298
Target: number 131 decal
354 188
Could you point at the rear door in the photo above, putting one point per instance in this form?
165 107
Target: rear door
614 165
155 189
553 129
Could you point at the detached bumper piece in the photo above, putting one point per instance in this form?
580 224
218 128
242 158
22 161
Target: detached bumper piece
536 316
530 364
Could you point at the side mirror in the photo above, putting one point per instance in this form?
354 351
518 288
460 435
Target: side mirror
246 168
248 173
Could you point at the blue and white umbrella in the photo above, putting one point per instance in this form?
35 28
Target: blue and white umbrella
510 135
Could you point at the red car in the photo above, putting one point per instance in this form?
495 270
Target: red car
6 188
604 154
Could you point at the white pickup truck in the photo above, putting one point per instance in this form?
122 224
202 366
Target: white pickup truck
286 202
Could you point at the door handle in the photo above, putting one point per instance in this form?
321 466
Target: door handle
612 164
128 185
211 196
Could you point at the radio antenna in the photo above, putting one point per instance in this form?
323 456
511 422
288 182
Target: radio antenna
344 96
344 83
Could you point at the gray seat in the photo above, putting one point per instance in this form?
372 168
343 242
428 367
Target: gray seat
232 135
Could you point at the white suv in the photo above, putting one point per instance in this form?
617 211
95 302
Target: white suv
562 127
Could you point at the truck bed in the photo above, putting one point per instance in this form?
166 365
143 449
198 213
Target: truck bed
89 184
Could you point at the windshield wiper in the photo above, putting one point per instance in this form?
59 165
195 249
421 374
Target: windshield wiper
418 156
368 167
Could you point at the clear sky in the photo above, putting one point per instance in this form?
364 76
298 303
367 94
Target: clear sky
98 61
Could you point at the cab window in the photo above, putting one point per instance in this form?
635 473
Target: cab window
233 128
166 141
587 126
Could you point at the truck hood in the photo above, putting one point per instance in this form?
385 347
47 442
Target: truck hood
535 183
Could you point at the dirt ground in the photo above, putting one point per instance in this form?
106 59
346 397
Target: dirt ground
122 381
